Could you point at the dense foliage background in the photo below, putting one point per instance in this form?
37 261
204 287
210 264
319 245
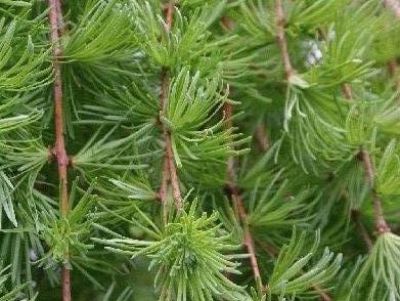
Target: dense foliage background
199 150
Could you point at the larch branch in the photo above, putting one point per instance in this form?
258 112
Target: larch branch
281 39
59 150
262 138
238 204
169 162
380 222
356 216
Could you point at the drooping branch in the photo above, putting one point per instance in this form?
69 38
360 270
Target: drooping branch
59 150
356 216
262 138
280 23
273 252
380 222
169 162
238 204
234 191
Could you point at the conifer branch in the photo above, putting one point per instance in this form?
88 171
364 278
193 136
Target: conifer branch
380 222
347 92
261 137
274 253
323 295
356 216
281 39
236 197
239 205
169 162
59 149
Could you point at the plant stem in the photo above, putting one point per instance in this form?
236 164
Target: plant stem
380 222
281 39
261 137
238 203
59 151
234 190
356 216
169 162
274 252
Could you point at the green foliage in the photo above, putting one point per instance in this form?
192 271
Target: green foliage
194 99
189 257
289 276
380 271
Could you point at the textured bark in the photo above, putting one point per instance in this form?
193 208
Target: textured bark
238 204
169 162
59 150
281 39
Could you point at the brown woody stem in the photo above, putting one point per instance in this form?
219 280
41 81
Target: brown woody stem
59 151
262 138
380 222
356 216
239 205
169 171
281 39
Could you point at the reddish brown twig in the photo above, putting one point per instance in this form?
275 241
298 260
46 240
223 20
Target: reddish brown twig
380 222
262 137
169 171
238 204
274 252
323 295
59 150
233 189
347 92
281 39
356 216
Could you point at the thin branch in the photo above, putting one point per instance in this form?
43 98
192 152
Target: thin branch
380 222
347 92
234 190
169 162
323 295
262 138
281 39
239 205
274 252
356 216
59 151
